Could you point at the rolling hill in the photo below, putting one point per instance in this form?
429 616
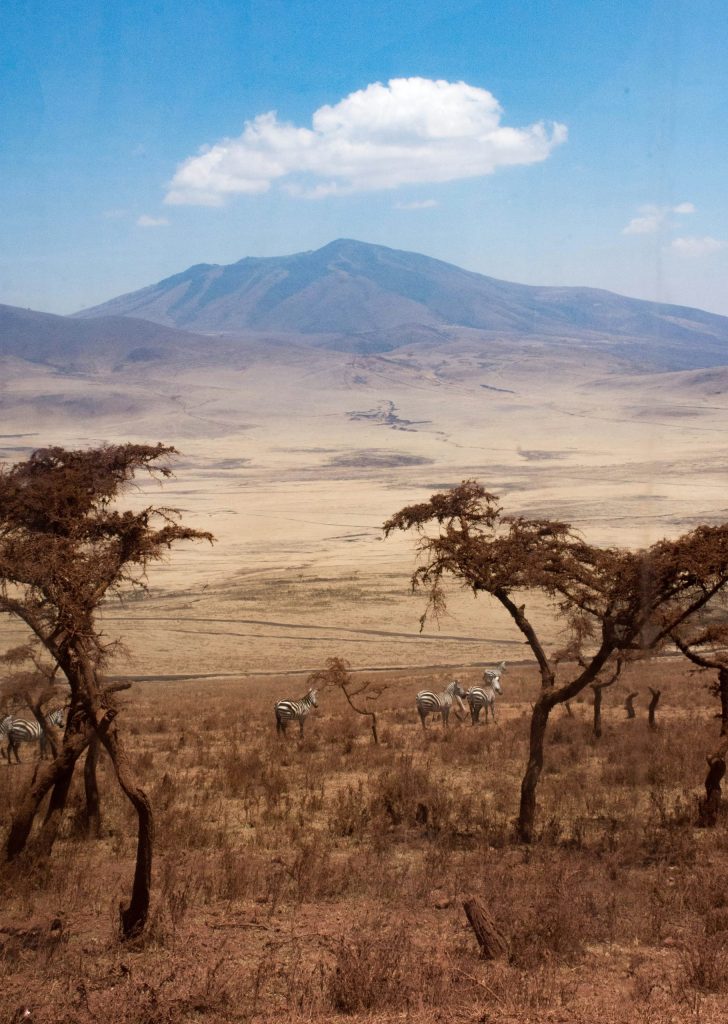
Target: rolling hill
89 344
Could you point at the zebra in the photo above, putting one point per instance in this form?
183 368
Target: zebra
20 730
429 703
5 726
484 696
287 710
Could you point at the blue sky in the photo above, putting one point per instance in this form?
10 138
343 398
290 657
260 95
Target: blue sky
574 143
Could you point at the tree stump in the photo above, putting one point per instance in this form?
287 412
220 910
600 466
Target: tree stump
629 704
653 706
492 941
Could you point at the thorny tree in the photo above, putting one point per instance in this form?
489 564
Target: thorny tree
65 546
610 600
337 673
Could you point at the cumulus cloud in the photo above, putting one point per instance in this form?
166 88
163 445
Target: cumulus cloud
145 221
417 204
697 246
409 131
652 218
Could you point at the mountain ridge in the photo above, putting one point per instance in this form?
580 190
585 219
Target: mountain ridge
347 288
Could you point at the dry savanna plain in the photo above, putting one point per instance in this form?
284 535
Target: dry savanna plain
323 879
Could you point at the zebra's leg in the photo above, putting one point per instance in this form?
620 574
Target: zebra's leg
300 727
445 716
279 726
423 716
13 746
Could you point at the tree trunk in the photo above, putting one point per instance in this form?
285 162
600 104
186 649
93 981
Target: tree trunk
653 707
597 710
92 822
47 777
54 815
527 811
134 915
723 694
629 704
709 807
492 941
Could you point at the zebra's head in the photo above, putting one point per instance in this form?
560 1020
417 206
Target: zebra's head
491 677
455 689
313 697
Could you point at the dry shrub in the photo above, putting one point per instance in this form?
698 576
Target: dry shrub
349 813
704 960
379 968
406 795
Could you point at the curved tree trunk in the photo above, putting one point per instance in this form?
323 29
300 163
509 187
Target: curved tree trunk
527 811
134 915
49 775
54 814
629 704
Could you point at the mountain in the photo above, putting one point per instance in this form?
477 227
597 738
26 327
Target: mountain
354 296
73 343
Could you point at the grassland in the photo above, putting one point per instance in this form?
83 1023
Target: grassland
323 880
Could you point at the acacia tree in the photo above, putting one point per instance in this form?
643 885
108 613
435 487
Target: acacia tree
337 673
609 600
65 547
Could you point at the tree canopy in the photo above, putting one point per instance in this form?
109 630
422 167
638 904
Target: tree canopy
66 545
611 601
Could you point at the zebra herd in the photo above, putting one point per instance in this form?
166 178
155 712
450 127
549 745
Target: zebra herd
478 697
428 703
20 730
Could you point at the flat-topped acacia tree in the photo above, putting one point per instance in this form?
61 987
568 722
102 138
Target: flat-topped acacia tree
609 600
66 546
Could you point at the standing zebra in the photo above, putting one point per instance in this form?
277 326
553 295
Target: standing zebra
5 725
429 703
484 696
288 710
20 730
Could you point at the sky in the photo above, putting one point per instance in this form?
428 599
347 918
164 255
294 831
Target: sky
575 142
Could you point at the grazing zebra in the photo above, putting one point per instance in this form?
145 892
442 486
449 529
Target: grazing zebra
484 696
429 703
20 730
288 710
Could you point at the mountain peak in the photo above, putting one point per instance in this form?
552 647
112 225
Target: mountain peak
361 296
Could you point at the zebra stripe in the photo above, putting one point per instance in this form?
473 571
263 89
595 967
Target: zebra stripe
20 730
429 703
484 696
288 710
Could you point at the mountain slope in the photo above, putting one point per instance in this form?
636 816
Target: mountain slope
66 341
349 289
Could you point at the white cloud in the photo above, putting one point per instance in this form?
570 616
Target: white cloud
653 217
410 131
697 246
145 221
417 204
